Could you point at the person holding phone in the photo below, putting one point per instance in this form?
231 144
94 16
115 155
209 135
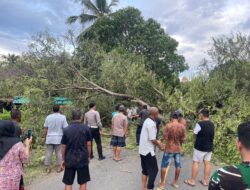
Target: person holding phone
12 156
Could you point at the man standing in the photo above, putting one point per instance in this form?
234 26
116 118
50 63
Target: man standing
235 176
143 115
119 132
204 131
175 135
76 150
147 150
93 121
54 125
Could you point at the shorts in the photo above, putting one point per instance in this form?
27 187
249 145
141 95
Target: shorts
118 141
167 157
199 156
83 175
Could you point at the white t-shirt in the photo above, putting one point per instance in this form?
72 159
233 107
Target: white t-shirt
197 129
148 134
55 123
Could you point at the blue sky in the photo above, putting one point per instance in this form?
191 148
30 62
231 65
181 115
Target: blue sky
191 22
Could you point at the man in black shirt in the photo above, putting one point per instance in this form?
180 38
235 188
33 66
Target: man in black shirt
204 132
143 115
76 150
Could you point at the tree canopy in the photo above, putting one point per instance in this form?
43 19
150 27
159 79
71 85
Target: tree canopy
128 30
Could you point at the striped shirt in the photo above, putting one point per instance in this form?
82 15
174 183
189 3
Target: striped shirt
236 177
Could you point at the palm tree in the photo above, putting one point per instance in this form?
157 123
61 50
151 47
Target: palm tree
95 10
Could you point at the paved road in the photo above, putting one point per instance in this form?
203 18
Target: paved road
109 175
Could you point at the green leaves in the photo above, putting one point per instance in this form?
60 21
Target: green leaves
92 10
128 30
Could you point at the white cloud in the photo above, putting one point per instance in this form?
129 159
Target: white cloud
191 22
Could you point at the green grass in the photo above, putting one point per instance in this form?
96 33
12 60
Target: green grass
35 166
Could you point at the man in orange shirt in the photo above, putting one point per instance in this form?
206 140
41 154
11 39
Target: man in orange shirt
175 135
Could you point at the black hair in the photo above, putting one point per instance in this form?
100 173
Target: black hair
122 108
144 107
244 134
91 105
76 114
117 107
204 112
15 114
56 108
176 115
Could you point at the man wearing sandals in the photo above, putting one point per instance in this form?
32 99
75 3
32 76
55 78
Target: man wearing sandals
175 135
54 125
119 132
204 132
235 176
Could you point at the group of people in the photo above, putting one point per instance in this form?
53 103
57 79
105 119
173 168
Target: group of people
73 146
235 177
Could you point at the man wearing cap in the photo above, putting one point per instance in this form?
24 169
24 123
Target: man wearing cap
175 135
204 132
93 120
119 132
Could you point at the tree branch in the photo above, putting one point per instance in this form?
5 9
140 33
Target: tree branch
96 87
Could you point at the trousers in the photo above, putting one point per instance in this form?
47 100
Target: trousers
149 168
138 134
49 152
97 137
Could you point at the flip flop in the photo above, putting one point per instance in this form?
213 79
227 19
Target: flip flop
59 171
117 160
189 183
48 170
160 187
175 186
203 183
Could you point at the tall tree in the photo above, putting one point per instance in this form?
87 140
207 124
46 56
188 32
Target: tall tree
127 29
92 10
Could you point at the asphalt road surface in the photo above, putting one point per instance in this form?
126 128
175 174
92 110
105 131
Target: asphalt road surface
124 175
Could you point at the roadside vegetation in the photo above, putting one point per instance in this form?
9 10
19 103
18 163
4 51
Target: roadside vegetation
123 58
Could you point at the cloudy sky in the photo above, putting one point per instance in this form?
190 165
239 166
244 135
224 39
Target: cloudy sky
191 22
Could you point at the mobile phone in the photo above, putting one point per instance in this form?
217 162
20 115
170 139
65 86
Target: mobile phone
30 134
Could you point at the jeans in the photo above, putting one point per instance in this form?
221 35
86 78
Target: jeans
97 137
167 157
150 169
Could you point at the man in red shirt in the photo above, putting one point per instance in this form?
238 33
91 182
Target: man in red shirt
175 135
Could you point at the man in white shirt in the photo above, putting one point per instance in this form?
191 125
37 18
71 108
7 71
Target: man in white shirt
54 125
148 141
